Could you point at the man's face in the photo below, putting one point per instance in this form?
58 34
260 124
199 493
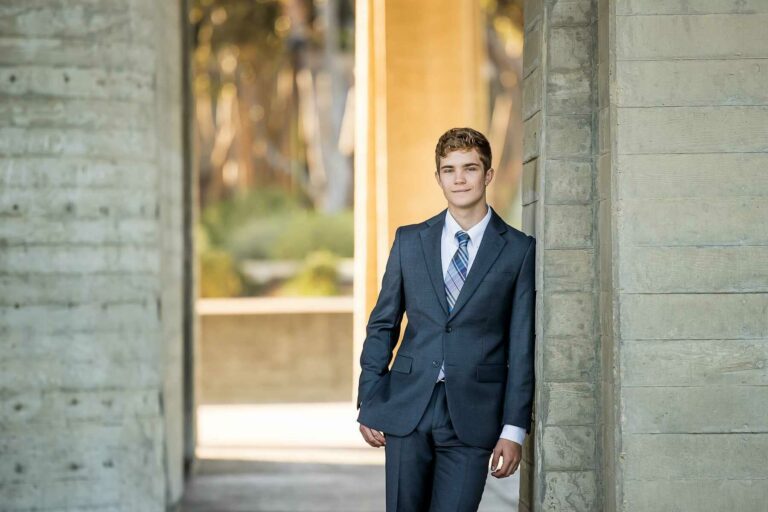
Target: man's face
462 178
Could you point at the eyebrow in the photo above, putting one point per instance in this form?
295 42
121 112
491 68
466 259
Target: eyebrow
448 166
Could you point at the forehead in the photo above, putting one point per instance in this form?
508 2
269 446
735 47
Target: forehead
461 157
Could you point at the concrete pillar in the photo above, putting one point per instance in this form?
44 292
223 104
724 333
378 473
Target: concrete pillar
561 469
90 284
685 152
645 144
418 73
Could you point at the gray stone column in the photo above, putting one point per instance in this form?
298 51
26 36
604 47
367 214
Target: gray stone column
90 285
645 183
561 470
684 149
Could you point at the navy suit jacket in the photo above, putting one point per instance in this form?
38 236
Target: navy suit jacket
487 340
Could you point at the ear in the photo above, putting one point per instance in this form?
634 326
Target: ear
489 176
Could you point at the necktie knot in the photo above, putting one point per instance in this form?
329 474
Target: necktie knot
463 238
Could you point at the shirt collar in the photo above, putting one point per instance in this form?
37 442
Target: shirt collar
475 232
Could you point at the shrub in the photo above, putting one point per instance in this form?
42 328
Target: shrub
293 235
218 275
318 276
221 218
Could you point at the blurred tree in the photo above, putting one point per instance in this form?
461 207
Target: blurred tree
504 37
271 81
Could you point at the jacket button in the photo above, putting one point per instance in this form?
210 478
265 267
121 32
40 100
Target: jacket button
448 328
435 363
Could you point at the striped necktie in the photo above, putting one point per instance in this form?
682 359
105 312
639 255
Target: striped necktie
454 278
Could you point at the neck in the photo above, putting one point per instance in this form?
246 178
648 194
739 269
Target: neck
469 216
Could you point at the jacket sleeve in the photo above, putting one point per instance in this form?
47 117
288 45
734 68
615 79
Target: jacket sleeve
383 329
518 400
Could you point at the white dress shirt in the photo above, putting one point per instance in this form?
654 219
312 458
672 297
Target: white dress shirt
449 246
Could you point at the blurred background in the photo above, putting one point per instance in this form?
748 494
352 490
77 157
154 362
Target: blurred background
274 126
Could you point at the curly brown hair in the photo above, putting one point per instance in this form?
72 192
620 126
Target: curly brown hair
463 139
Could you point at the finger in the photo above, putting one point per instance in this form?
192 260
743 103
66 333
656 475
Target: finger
513 466
367 436
378 436
499 463
507 456
506 469
495 459
373 435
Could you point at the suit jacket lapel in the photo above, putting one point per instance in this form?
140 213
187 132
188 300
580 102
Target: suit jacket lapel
430 245
490 247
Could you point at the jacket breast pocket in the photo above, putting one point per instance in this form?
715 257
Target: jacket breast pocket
491 372
402 364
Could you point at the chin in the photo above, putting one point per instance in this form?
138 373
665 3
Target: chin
467 201
461 204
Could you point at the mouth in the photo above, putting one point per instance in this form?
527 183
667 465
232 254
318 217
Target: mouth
457 191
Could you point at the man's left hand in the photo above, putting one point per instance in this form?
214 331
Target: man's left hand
511 453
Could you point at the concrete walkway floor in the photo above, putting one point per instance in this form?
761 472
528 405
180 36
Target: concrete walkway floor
297 458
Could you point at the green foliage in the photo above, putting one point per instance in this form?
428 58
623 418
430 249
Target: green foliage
219 275
318 276
223 218
269 224
294 235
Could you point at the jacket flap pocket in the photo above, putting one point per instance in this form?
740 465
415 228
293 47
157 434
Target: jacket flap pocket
402 364
491 372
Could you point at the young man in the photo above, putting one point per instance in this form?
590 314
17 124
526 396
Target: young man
461 386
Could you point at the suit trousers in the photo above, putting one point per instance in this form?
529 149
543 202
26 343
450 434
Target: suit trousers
430 469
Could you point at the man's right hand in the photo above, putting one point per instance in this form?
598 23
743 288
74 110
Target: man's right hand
373 437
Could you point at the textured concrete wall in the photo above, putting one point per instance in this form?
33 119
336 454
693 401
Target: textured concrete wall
646 126
688 138
89 167
561 472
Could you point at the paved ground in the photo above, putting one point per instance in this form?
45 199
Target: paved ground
297 458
